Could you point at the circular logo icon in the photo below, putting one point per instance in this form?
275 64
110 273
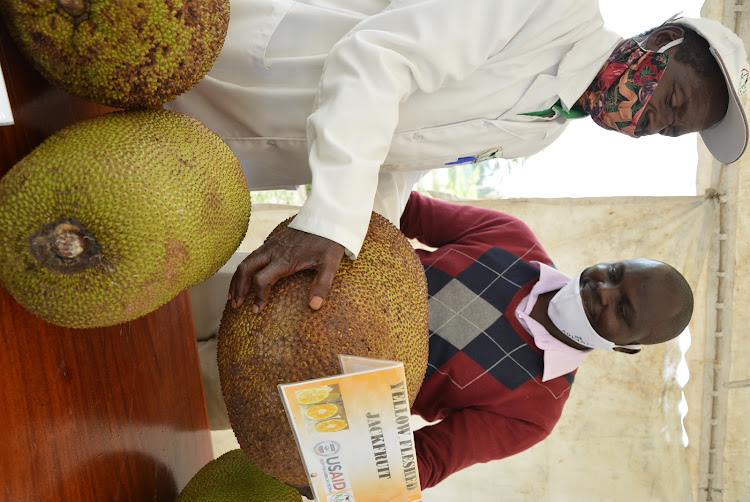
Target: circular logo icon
327 448
341 497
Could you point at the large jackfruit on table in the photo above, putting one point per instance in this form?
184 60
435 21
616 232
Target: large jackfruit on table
111 217
377 308
232 478
121 53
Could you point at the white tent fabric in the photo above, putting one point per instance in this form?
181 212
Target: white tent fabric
719 393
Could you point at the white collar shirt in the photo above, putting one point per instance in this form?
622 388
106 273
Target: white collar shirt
559 358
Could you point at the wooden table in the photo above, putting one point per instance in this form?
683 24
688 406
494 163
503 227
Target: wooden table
110 414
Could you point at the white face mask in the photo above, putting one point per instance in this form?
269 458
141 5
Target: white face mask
566 312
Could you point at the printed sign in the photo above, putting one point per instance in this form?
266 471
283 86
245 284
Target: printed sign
354 434
6 114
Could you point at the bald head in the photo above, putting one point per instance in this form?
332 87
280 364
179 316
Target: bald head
676 286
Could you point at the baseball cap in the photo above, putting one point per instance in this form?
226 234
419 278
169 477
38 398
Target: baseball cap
727 139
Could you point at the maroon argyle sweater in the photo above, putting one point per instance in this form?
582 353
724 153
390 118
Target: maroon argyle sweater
484 375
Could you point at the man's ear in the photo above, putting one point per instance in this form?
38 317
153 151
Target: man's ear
662 36
626 350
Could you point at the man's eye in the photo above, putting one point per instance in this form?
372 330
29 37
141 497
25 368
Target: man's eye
612 272
621 311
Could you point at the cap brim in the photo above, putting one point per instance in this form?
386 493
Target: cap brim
727 140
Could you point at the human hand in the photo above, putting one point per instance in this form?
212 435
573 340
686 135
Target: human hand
284 253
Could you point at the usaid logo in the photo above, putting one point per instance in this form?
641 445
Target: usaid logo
327 448
743 81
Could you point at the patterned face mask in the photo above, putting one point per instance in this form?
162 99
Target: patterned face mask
622 88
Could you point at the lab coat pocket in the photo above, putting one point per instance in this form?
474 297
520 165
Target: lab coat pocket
252 23
541 95
470 141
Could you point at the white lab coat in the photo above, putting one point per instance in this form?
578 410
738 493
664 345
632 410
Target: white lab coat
357 94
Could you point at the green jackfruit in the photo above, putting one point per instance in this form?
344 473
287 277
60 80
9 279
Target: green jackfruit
121 53
232 478
112 217
377 307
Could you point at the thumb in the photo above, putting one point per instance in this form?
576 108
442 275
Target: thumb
321 285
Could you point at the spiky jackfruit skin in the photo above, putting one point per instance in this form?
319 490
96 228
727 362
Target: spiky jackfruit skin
121 53
377 307
232 478
157 201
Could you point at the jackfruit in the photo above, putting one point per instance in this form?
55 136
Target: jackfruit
377 307
121 53
113 216
232 478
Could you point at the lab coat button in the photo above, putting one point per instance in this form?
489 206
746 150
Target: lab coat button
417 136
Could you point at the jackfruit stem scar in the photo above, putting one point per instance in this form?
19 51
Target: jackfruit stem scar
68 244
73 7
65 246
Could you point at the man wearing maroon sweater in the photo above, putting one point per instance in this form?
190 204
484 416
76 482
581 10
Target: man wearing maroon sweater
508 331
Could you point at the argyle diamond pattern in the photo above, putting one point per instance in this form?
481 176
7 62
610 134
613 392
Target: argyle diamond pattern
466 315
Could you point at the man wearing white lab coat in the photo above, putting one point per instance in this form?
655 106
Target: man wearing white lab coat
361 97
